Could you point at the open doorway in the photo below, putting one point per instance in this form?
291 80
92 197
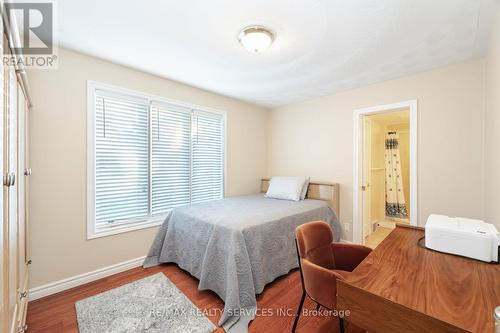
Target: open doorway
386 165
385 171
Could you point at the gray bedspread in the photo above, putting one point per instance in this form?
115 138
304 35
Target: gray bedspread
236 246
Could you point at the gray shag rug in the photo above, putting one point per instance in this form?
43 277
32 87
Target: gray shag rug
152 304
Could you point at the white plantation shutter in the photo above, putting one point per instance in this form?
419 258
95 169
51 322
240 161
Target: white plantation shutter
121 159
171 139
148 157
207 170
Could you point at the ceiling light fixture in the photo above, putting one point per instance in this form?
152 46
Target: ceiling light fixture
256 39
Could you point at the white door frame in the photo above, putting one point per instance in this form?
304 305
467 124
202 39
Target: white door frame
358 116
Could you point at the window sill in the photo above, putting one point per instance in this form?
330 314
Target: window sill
119 229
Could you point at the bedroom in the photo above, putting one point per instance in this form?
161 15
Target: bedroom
185 138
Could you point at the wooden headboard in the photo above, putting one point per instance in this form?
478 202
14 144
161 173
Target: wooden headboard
328 192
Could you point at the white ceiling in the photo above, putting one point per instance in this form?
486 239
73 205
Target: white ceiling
322 46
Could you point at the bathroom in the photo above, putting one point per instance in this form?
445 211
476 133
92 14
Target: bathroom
387 170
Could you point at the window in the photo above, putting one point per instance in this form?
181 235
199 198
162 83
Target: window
147 156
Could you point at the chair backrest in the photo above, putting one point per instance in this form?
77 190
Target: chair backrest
314 241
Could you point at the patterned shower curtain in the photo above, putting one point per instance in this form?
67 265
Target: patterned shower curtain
395 205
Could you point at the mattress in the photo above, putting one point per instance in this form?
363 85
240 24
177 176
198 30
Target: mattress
236 246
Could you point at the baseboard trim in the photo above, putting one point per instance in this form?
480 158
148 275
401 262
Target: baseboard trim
386 224
78 280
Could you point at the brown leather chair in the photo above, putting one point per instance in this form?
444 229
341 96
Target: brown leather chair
322 262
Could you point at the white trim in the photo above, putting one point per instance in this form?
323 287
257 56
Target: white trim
387 224
412 105
149 222
78 280
125 227
90 159
152 97
224 176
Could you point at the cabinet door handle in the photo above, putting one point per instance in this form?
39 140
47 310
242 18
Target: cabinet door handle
6 179
9 179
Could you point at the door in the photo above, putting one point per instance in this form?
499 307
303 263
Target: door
23 172
10 193
13 233
3 262
366 176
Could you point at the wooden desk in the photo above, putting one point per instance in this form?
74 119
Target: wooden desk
401 287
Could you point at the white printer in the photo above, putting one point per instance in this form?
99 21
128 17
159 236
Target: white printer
466 237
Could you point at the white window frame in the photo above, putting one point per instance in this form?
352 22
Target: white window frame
92 87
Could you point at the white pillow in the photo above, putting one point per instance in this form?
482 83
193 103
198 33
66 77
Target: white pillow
287 188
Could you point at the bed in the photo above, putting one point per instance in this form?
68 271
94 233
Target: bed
237 245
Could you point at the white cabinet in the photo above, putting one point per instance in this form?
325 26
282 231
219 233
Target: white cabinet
14 259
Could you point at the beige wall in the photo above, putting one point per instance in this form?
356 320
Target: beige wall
59 248
492 128
315 138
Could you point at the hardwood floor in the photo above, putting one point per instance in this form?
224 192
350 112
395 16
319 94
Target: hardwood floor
56 313
375 238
